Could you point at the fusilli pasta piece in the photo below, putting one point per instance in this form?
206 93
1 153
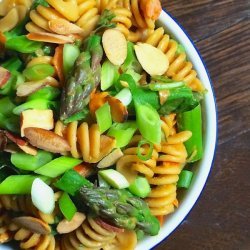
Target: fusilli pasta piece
172 157
179 68
12 13
106 5
130 164
89 235
30 240
5 234
23 203
40 18
85 141
89 16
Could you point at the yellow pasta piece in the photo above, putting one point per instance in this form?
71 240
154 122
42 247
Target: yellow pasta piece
89 235
179 69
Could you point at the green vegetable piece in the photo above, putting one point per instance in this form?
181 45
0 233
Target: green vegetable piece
140 187
36 3
58 166
19 184
104 118
185 179
124 96
109 75
40 104
22 44
122 132
164 86
144 157
11 123
105 21
6 106
38 72
30 162
78 116
83 79
102 182
70 54
48 93
131 61
71 182
148 122
192 121
120 208
67 206
139 94
114 178
13 64
180 49
179 100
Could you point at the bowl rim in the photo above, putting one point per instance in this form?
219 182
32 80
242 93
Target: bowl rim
178 31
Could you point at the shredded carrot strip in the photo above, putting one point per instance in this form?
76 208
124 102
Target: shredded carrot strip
58 63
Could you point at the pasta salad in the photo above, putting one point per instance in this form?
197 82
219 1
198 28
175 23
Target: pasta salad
100 123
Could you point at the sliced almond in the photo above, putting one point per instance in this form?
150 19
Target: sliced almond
115 46
37 119
152 59
66 226
109 227
110 159
28 149
119 111
46 140
64 27
96 101
33 224
28 88
163 94
16 139
49 38
4 76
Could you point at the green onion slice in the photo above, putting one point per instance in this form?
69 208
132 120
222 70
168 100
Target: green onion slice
144 157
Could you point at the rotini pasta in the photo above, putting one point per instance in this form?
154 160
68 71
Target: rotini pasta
23 203
40 19
89 236
30 240
13 12
5 234
172 158
88 16
180 68
106 5
85 141
130 164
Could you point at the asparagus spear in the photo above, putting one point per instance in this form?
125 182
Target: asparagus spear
83 79
120 208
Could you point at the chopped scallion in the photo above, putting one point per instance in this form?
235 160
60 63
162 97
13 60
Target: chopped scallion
67 206
185 179
144 157
104 118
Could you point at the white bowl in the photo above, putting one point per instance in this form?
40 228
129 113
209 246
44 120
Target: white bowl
202 169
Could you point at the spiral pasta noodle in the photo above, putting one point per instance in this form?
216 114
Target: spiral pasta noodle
23 203
40 18
30 240
89 16
106 5
86 142
179 69
130 164
12 13
172 157
5 234
90 235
